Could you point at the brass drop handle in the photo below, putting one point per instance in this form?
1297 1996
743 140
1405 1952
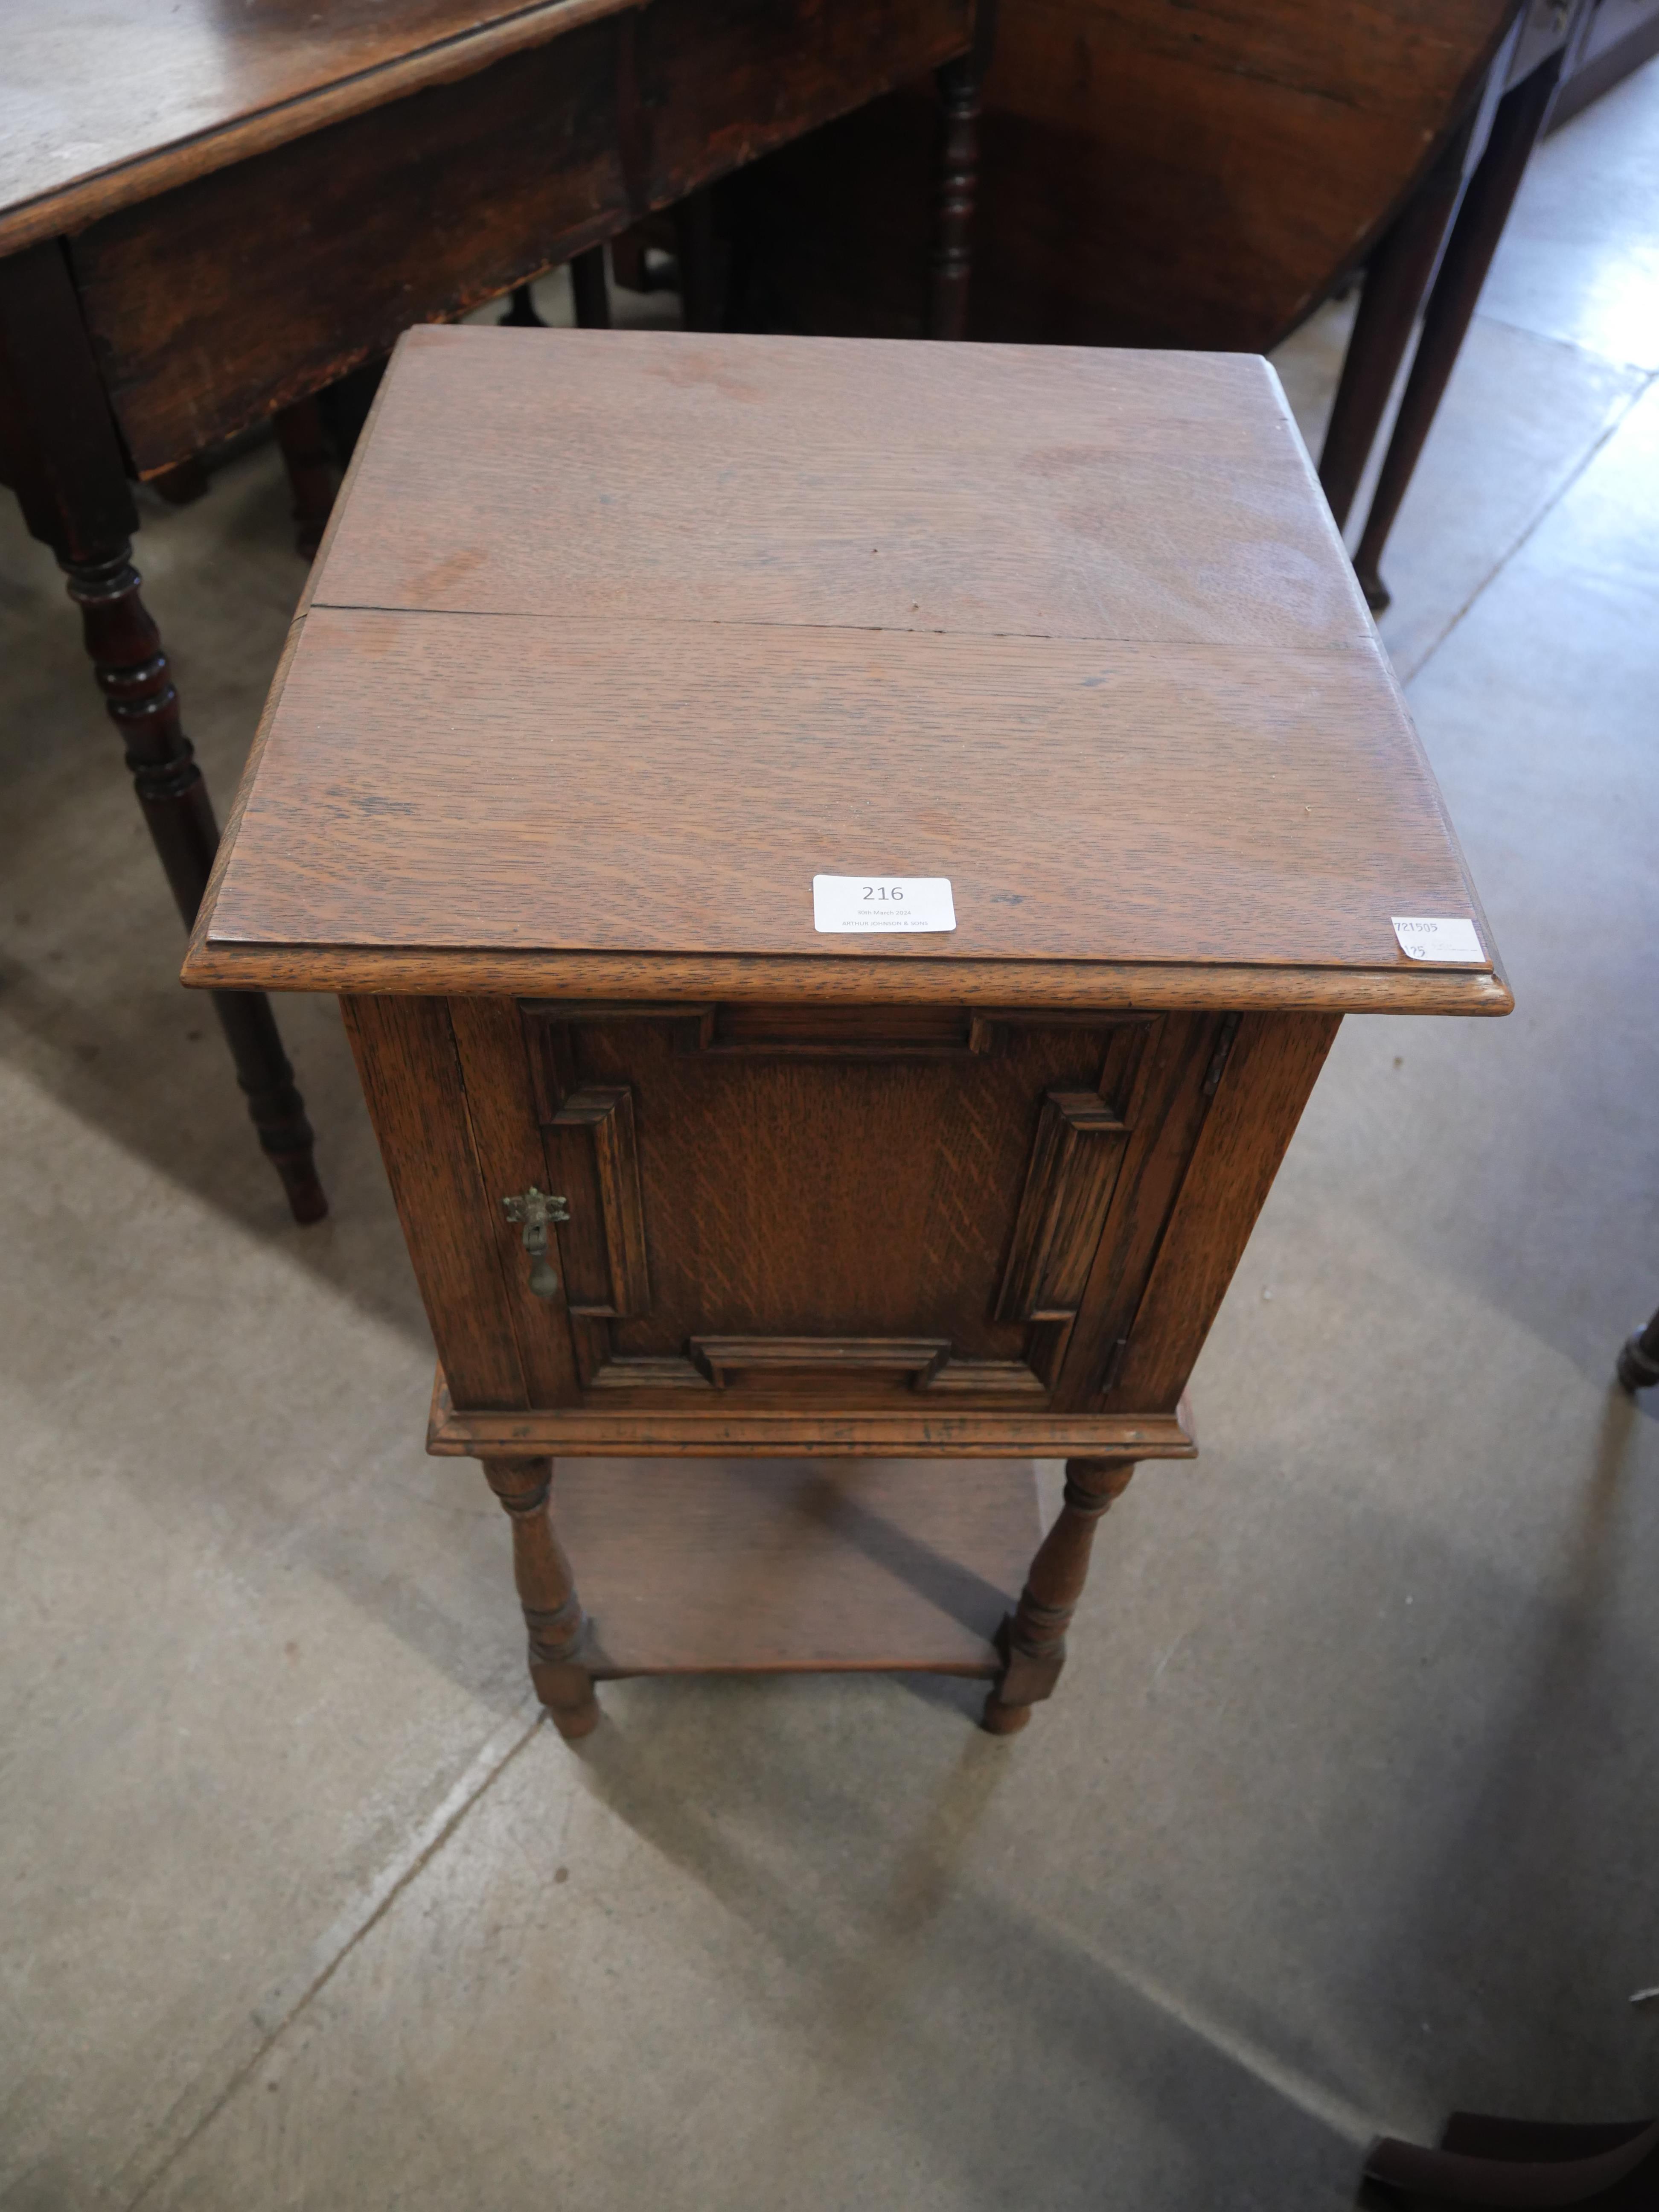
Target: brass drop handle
535 1209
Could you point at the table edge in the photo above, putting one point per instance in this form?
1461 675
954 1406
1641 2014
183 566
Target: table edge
70 208
1148 986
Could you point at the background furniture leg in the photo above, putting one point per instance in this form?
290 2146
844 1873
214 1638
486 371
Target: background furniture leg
182 485
70 479
1396 277
311 474
521 311
1034 1635
1639 1359
125 651
1479 225
547 1591
590 289
696 250
960 83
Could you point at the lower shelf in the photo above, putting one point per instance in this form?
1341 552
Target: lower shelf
741 1565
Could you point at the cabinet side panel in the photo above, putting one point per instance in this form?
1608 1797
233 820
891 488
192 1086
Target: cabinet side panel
1271 1069
411 1080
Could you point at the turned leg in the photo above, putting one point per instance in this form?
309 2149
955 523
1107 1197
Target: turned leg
310 465
1474 235
125 651
547 1591
1396 277
1639 1359
960 83
65 464
1034 1634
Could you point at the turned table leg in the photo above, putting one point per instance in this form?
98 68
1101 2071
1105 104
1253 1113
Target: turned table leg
132 669
65 465
958 179
961 83
547 1591
1034 1635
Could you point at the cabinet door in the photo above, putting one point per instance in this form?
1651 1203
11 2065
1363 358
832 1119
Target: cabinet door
849 1207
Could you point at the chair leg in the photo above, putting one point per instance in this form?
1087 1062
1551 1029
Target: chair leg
1034 1635
125 650
547 1591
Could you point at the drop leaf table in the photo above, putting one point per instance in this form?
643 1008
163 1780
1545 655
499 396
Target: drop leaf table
843 862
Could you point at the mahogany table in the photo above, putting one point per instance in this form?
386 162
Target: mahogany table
208 213
843 860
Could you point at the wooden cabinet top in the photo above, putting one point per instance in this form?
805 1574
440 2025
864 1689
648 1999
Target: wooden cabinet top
618 639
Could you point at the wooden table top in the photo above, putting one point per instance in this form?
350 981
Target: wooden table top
106 102
618 639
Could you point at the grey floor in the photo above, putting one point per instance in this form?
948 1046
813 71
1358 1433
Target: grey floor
1346 1811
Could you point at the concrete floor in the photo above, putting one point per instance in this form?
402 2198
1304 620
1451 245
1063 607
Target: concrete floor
1345 1812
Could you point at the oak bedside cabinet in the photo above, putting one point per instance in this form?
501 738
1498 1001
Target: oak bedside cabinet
843 862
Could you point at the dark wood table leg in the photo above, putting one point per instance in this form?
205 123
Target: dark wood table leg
66 468
1034 1635
521 311
590 288
1479 225
311 472
961 84
696 251
181 485
547 1591
1396 277
1639 1359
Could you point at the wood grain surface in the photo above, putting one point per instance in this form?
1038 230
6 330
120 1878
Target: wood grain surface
738 1565
621 639
1114 802
990 490
106 102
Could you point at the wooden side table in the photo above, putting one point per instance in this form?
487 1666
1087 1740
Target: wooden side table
844 861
